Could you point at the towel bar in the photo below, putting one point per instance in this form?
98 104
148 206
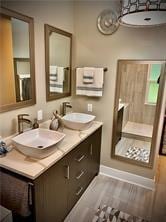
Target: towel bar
105 68
31 184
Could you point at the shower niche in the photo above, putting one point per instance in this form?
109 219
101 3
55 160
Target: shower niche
139 89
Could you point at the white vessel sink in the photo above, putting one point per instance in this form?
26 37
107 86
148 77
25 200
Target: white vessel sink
78 121
38 143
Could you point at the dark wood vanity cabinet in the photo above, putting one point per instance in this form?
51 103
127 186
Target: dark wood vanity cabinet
95 147
119 125
50 193
54 193
58 189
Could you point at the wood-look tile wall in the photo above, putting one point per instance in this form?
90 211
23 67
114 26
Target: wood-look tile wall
133 91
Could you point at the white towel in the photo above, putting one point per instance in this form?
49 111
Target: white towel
53 77
88 75
53 69
57 85
53 73
94 89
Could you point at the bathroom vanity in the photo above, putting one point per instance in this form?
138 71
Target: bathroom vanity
58 181
119 123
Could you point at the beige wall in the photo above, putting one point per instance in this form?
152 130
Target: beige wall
60 15
95 49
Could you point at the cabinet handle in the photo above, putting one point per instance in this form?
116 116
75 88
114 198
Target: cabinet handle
79 191
80 175
81 158
67 176
30 191
91 149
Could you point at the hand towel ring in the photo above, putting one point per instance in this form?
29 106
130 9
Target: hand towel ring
107 22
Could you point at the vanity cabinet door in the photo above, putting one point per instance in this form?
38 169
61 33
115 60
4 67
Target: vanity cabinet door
119 125
94 153
51 193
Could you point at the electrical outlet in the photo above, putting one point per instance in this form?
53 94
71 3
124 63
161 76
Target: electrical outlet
39 114
90 107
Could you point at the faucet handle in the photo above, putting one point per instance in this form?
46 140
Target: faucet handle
20 116
65 103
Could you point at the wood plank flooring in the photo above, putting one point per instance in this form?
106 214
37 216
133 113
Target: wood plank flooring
132 199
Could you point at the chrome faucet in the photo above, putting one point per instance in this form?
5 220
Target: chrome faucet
22 120
64 106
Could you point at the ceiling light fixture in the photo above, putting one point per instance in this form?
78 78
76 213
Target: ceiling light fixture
143 12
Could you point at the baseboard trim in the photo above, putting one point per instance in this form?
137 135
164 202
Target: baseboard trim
128 177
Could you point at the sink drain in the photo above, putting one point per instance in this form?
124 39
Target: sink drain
39 146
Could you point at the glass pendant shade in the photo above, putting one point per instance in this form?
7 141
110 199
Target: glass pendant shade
143 12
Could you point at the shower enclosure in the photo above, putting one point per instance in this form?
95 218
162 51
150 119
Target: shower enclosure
138 86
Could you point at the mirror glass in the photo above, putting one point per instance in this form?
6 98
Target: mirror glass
17 68
58 62
135 110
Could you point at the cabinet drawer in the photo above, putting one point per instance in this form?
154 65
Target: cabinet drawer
75 193
79 164
78 179
79 153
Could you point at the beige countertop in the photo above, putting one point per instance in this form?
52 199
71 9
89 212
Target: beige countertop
122 105
31 167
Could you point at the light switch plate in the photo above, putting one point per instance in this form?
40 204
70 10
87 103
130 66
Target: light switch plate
90 107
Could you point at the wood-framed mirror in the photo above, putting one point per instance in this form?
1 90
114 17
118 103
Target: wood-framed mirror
58 62
17 65
138 101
